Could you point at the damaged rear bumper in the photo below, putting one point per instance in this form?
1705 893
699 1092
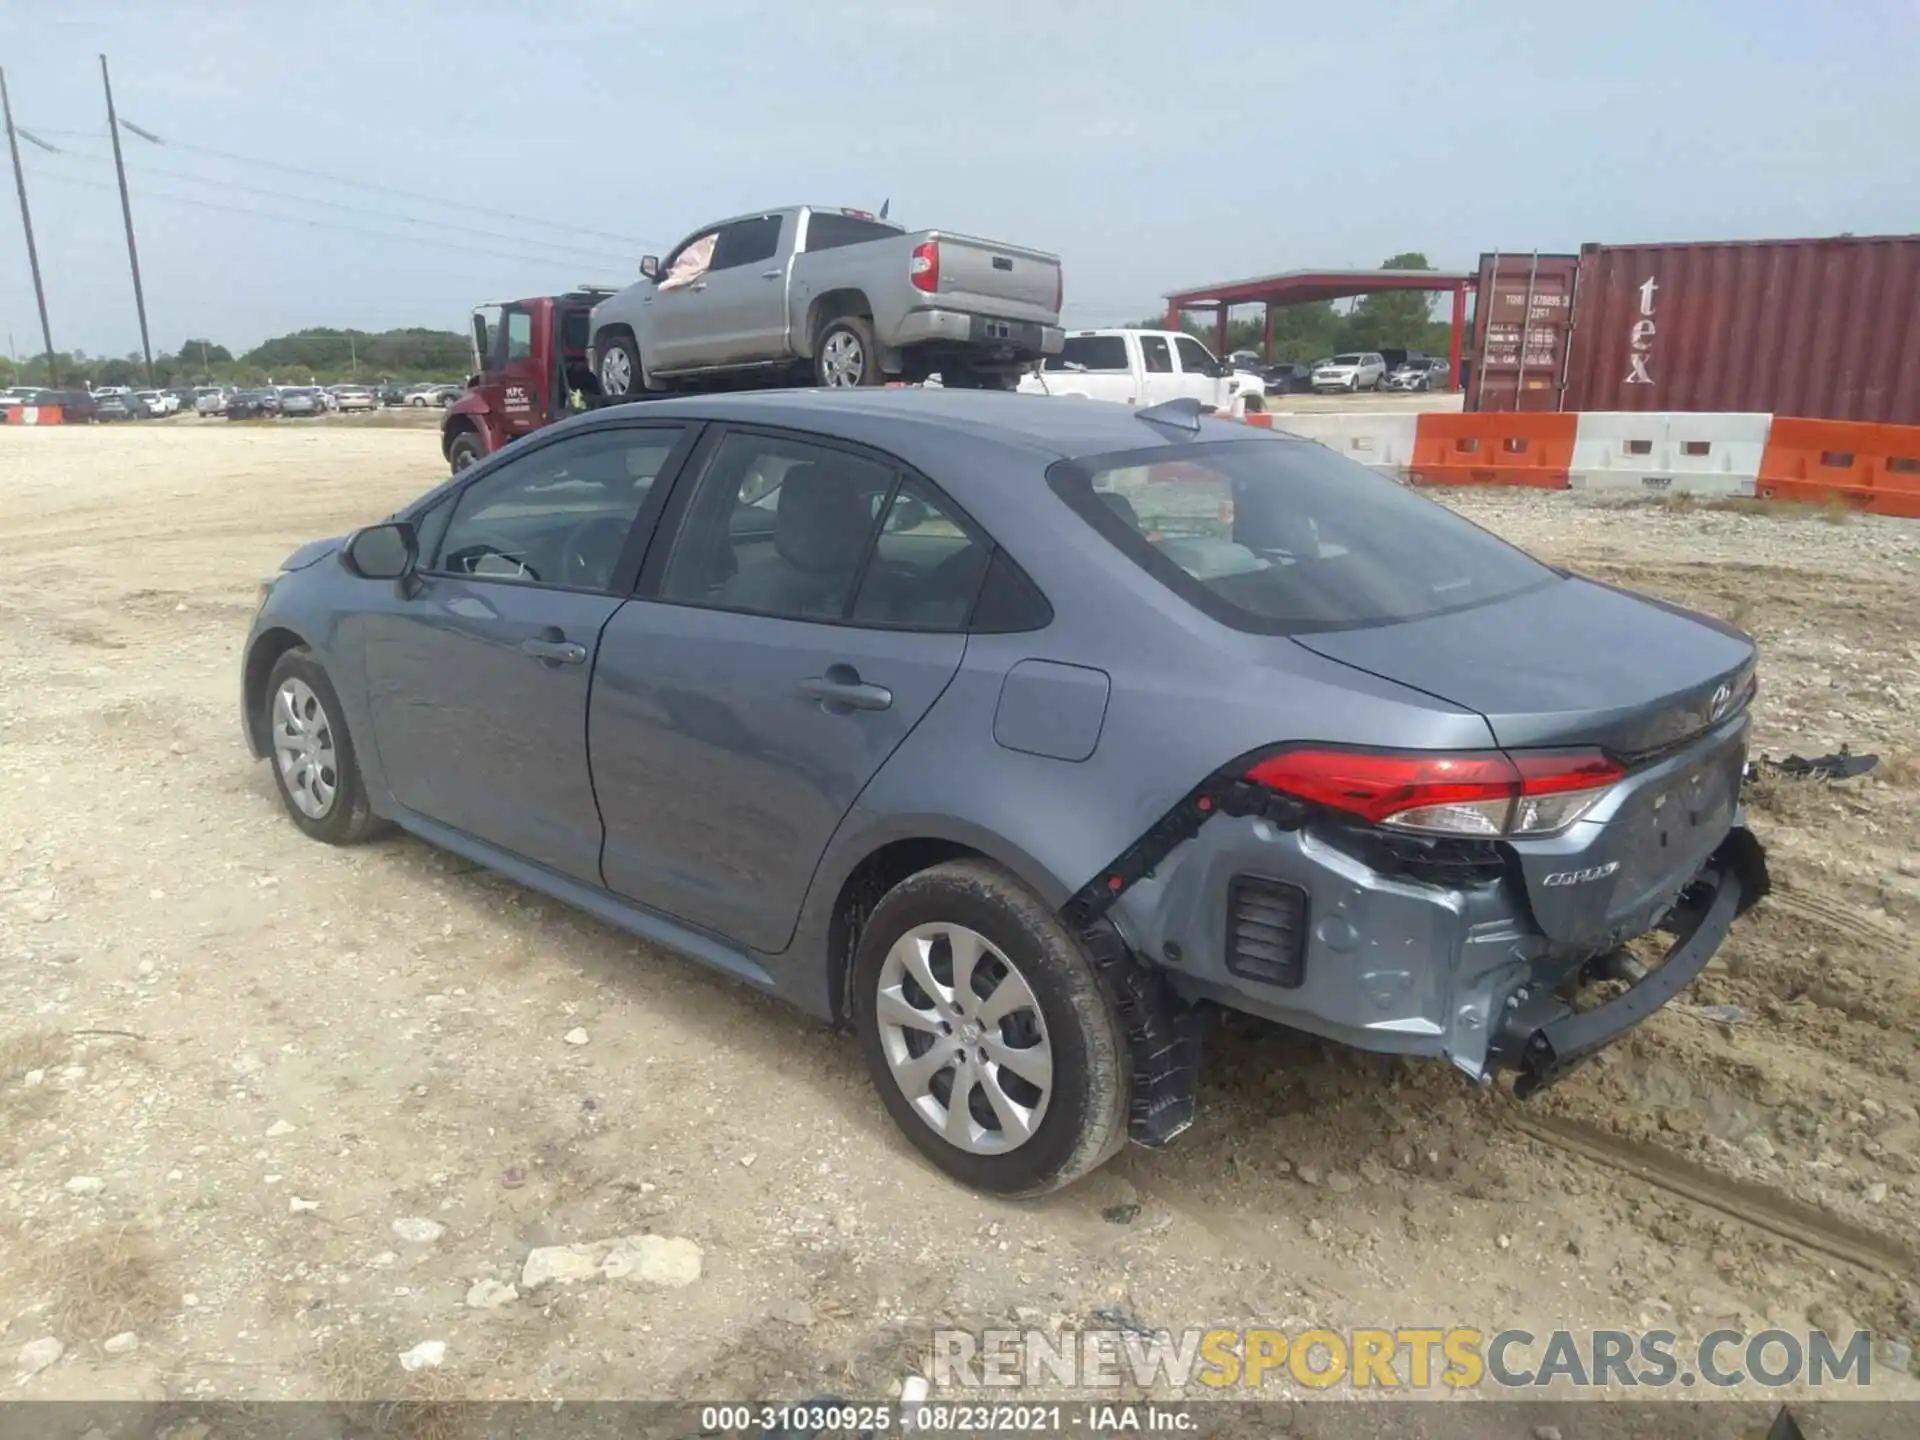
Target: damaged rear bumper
1542 1037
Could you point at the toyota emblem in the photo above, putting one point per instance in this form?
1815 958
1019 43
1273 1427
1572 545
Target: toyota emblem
1722 698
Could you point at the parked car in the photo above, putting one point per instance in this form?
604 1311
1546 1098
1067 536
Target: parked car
354 397
159 402
210 400
77 407
1324 755
261 404
1363 370
842 297
303 400
1142 367
1289 378
1421 372
122 405
392 395
1249 360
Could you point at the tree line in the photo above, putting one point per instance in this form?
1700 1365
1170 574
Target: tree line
317 355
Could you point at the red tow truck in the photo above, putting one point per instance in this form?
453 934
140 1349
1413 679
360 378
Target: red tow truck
530 369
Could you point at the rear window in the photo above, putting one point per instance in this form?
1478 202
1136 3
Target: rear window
1090 352
1284 536
828 231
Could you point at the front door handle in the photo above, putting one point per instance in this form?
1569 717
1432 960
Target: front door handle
841 691
773 274
554 648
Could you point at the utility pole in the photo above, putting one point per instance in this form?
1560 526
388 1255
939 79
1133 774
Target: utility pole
26 223
353 355
206 371
126 212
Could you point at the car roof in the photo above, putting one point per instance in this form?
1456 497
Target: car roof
917 424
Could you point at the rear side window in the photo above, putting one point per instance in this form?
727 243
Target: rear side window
828 231
1091 352
746 242
1284 536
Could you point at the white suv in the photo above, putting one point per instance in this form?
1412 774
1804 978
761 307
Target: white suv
1361 370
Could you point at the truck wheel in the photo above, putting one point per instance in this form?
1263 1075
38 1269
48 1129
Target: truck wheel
846 357
619 368
467 449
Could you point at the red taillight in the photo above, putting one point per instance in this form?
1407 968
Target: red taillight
1483 793
924 270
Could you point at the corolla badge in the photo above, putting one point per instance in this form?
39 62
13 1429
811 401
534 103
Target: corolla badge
1581 877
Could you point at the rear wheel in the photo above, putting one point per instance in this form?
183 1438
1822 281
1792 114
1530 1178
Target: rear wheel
845 357
987 1032
313 761
618 368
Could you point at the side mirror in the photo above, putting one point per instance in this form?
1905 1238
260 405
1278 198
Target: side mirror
381 552
650 266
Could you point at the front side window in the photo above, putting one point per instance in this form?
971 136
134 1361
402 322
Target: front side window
1156 354
1284 536
689 262
1194 357
558 515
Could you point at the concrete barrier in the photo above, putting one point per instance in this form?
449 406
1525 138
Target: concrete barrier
1662 453
1383 442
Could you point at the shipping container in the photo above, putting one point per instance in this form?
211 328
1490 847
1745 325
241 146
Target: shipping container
1523 309
1826 329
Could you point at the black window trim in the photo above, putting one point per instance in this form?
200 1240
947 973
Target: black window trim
1072 481
693 470
646 523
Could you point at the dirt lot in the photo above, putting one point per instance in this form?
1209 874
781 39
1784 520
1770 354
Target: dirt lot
238 1069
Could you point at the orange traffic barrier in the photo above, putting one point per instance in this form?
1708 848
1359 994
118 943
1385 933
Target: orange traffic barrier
1532 448
1867 466
33 415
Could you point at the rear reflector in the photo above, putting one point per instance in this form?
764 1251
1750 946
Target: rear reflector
1475 793
924 269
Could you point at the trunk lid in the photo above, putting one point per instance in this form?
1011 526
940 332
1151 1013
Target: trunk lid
1007 281
1571 663
1581 664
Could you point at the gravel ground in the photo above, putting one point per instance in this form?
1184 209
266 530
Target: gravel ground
273 1115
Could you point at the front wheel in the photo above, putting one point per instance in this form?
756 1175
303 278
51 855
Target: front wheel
313 761
467 449
987 1032
846 357
618 368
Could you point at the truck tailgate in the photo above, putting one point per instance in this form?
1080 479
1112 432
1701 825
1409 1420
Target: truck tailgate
1008 281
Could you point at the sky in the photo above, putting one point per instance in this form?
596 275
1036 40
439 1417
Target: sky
1153 145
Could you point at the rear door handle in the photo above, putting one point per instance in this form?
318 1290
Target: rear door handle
841 690
554 648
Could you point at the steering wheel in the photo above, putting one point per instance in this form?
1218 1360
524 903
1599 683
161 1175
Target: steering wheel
592 550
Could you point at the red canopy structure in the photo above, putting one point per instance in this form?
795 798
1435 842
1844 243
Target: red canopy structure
1301 287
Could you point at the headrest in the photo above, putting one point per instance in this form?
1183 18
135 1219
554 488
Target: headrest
822 518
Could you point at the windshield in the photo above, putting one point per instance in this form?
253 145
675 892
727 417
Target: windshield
1283 536
1344 360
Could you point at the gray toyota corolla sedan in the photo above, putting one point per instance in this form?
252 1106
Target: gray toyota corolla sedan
1015 733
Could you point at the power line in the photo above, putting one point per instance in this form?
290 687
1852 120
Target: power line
299 220
366 185
142 168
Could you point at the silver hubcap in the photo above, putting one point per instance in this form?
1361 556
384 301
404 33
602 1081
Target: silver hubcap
843 363
462 458
616 372
303 746
964 1038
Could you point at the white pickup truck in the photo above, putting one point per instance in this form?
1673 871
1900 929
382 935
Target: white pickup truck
1144 367
839 295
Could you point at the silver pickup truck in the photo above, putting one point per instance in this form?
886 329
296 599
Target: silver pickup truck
846 298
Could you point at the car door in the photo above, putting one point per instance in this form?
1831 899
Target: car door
478 679
746 300
1199 371
781 647
522 380
674 312
1158 378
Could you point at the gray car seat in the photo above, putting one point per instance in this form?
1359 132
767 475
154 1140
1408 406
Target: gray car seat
820 527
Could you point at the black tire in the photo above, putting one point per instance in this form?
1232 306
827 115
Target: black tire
1085 1120
620 354
467 449
835 334
1256 404
350 819
962 379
